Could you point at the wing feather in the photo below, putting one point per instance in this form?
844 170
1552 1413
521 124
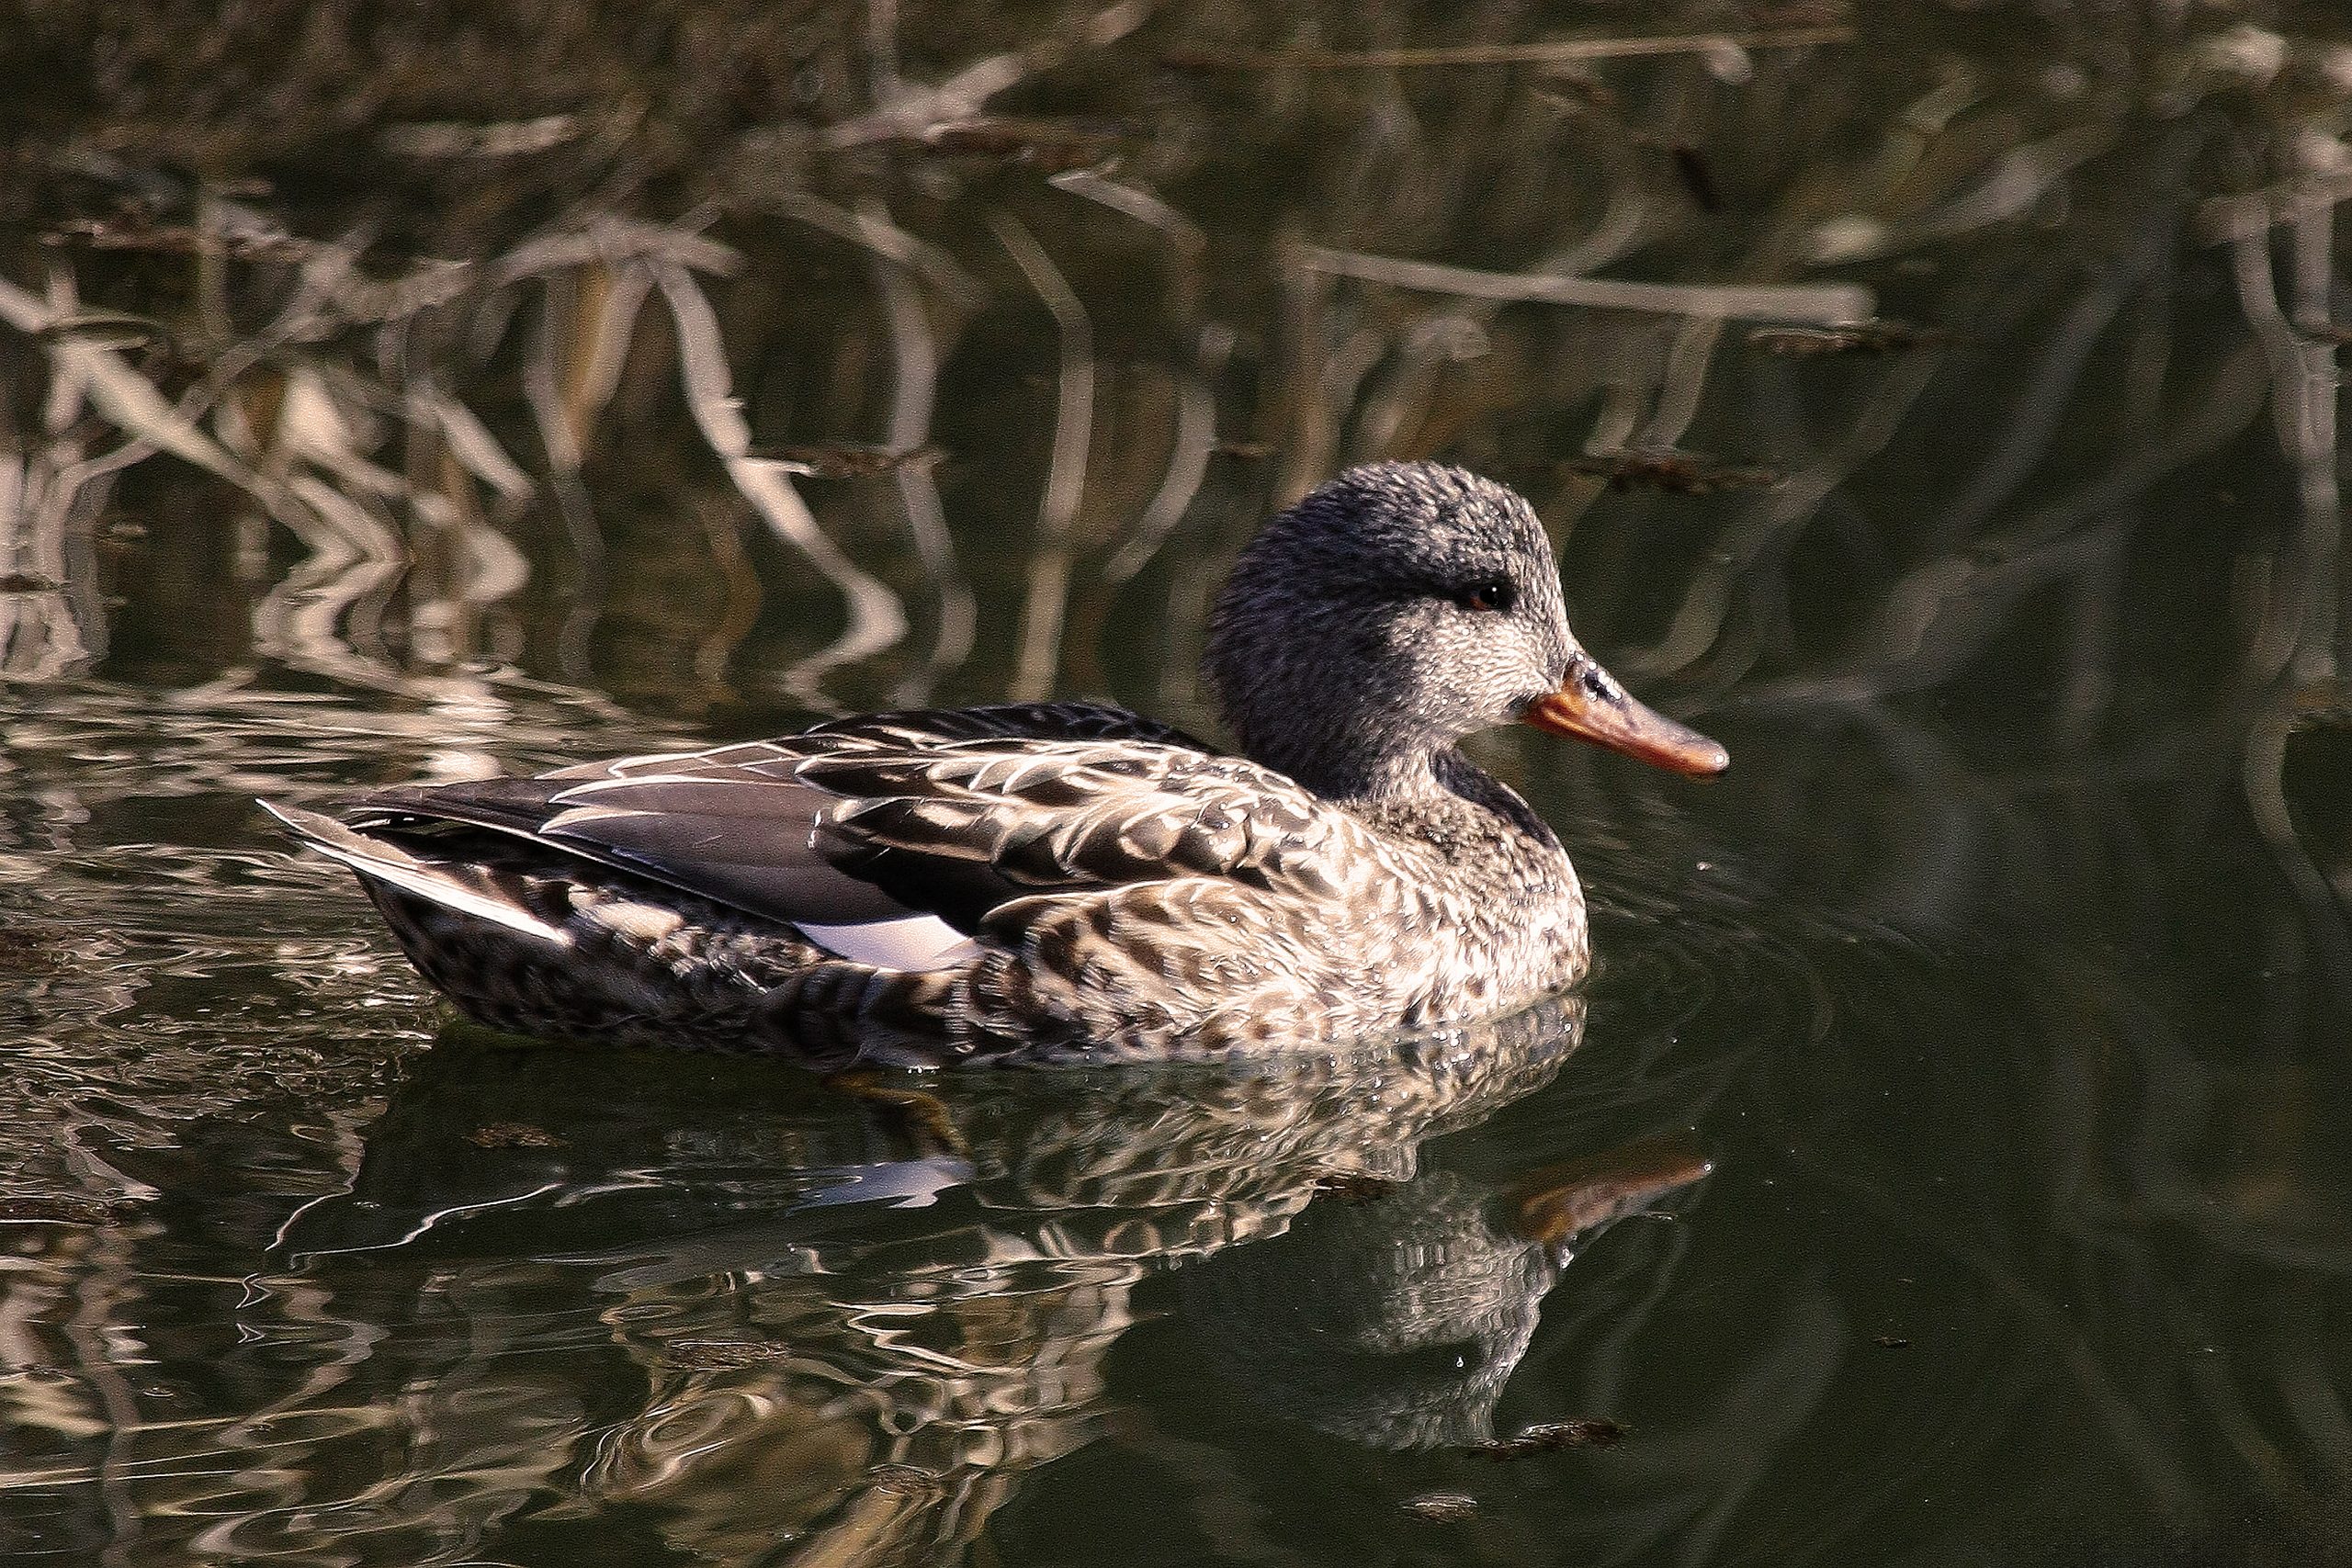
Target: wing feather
1087 815
969 816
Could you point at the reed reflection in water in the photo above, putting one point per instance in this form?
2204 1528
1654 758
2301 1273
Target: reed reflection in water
414 396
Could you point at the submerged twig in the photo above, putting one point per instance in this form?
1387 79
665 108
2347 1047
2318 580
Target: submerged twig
1554 52
848 460
1880 336
1056 147
1678 473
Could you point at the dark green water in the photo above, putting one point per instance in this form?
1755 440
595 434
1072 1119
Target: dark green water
1947 1164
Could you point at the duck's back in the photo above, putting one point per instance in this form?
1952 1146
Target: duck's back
1018 883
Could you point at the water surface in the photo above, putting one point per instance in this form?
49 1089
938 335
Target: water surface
1946 1164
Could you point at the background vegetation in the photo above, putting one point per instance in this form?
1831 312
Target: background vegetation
391 388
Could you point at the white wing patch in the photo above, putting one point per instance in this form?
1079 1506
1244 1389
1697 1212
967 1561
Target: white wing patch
918 941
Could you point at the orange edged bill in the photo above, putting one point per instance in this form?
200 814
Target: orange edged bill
1593 706
1557 1203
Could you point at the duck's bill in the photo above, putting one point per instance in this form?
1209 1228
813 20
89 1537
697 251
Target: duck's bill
1559 1202
1593 706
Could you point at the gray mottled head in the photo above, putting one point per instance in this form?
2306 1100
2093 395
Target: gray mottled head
1394 1323
1396 609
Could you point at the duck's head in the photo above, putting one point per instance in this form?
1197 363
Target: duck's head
1396 609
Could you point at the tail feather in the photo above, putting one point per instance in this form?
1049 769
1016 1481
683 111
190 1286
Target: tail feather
466 889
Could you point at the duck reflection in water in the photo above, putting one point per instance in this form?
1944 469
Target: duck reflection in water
863 1316
1396 1322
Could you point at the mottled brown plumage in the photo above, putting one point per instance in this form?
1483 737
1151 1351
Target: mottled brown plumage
1067 881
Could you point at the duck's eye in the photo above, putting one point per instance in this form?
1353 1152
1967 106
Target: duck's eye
1494 595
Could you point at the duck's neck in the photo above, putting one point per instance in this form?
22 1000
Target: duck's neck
1353 777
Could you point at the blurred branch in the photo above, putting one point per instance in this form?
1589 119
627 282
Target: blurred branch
1827 303
966 91
1556 51
1188 461
914 387
1043 610
875 621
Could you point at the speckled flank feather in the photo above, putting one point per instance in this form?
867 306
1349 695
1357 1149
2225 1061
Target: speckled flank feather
1068 880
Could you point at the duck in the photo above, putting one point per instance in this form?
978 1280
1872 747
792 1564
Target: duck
1060 881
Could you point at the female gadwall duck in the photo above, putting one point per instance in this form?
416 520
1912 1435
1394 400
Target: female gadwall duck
1058 882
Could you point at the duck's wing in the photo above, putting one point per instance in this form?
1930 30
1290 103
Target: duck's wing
1047 816
888 838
